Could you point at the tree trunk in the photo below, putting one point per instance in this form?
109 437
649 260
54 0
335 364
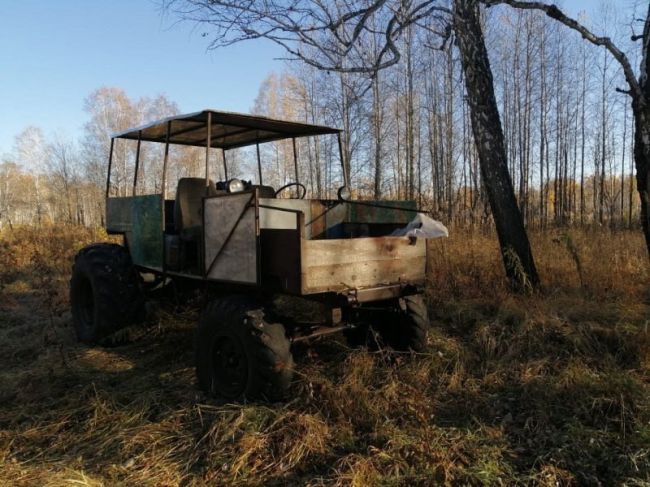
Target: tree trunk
642 160
639 91
641 111
488 135
377 119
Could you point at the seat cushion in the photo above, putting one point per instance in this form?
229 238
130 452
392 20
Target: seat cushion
189 202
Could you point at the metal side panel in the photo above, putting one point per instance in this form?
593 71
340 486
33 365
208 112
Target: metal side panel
140 219
231 234
284 217
119 217
372 214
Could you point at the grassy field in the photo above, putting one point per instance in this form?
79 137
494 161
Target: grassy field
548 389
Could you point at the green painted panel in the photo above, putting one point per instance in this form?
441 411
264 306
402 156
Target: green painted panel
371 214
140 219
118 215
146 249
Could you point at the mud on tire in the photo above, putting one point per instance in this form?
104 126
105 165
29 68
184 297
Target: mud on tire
105 293
239 355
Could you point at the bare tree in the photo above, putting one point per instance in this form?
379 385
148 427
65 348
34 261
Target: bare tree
61 158
488 136
30 151
638 89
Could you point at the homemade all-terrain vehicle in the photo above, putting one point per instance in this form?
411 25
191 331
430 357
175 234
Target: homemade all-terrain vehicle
244 245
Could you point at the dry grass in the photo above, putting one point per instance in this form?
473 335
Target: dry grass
550 389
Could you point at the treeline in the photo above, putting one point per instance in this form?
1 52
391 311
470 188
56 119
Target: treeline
57 179
568 131
407 135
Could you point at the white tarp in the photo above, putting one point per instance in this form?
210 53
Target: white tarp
422 226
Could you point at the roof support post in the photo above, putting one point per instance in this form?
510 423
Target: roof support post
346 176
110 164
137 162
295 165
165 160
207 152
259 163
225 165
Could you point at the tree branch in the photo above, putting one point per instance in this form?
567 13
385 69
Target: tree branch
322 33
555 13
625 92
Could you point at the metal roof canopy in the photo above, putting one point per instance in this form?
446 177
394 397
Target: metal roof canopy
228 130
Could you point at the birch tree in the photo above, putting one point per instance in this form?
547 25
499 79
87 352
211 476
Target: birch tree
488 136
638 89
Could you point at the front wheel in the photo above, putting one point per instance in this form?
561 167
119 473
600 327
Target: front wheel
239 355
105 293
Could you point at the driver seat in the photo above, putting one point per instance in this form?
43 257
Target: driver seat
188 221
188 208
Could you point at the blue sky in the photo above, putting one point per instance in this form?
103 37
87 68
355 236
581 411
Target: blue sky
53 53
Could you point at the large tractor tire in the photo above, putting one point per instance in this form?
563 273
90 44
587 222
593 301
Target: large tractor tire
410 324
105 293
239 356
402 326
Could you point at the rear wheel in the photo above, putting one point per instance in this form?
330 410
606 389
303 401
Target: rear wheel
105 293
402 326
239 355
407 326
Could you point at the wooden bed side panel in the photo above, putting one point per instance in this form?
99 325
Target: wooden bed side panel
335 265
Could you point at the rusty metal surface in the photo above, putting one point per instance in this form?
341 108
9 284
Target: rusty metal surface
228 130
379 293
230 238
139 218
316 220
332 219
371 214
118 215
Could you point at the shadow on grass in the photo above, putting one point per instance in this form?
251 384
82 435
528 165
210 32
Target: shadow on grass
571 395
509 393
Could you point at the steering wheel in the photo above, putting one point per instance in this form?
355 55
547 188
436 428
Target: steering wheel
300 185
